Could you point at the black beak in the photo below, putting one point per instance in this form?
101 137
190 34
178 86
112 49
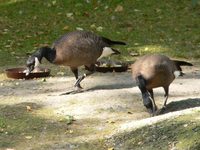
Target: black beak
116 52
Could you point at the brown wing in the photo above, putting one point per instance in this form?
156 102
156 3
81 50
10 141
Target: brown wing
78 48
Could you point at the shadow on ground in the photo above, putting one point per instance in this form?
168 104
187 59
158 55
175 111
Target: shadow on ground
21 128
112 86
182 104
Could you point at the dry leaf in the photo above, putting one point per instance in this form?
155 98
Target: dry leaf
100 29
7 46
53 3
129 112
28 108
79 28
60 73
65 27
28 137
70 15
93 26
109 121
119 8
43 80
28 36
69 131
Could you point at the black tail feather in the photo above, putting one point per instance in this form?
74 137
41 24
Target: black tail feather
110 42
179 63
182 63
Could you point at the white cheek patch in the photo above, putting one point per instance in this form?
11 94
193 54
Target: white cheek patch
177 74
107 51
37 63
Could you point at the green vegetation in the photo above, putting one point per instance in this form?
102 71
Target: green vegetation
22 123
170 27
180 133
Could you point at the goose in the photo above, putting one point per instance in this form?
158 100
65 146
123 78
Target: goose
75 49
152 71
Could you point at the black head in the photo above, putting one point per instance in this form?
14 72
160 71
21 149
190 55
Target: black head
146 97
35 59
147 102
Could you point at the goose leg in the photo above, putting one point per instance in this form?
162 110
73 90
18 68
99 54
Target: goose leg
75 71
78 86
161 111
91 70
166 96
152 99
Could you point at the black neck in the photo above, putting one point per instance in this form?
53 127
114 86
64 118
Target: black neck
46 52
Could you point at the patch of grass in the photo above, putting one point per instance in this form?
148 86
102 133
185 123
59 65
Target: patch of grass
28 24
180 133
39 128
19 127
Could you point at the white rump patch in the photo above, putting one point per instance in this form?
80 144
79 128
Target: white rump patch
37 63
107 51
177 74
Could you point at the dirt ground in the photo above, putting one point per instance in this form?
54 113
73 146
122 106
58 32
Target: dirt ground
110 103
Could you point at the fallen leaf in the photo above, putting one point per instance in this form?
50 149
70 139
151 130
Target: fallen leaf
112 148
60 73
35 17
28 137
28 108
53 3
134 54
79 28
69 131
93 26
7 46
119 8
65 27
70 15
13 53
139 143
110 121
20 12
28 36
100 29
44 80
129 112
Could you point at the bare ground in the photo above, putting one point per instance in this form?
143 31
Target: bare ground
111 102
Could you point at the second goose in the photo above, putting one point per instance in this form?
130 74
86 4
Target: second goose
152 71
